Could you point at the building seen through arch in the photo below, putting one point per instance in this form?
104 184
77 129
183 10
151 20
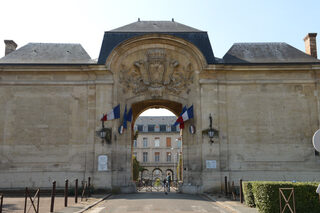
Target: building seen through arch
158 147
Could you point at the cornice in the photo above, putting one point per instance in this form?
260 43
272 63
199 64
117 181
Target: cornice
262 67
51 68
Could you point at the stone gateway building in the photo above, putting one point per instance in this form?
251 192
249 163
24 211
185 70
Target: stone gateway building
264 99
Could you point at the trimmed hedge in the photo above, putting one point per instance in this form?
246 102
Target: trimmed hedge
248 194
265 196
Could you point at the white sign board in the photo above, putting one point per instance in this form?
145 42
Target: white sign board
211 164
102 163
318 189
316 140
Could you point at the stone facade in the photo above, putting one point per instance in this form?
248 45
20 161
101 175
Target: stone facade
266 114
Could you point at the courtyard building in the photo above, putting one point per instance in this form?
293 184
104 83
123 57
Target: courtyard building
158 147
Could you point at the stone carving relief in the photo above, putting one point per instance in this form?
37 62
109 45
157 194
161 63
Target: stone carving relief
156 74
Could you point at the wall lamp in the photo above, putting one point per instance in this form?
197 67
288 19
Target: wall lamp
210 130
104 133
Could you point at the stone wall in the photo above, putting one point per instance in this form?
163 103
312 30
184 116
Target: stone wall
266 117
47 126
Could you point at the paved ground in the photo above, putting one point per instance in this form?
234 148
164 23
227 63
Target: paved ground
16 204
157 202
139 202
232 205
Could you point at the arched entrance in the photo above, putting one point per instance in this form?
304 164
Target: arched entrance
157 174
171 173
167 148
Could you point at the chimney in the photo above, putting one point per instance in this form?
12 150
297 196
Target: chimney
311 44
10 46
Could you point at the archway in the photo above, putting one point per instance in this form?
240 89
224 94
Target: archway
157 174
156 149
145 174
171 173
139 107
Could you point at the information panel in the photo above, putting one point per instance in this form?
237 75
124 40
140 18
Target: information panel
102 163
211 164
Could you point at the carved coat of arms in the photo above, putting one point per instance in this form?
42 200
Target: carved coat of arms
156 74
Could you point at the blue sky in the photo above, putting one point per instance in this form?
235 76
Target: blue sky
226 21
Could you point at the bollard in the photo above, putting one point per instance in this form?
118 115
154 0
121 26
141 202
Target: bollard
1 202
89 186
241 192
76 192
25 200
226 185
53 194
66 193
38 201
233 191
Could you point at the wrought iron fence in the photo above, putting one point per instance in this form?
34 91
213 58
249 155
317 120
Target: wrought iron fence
155 186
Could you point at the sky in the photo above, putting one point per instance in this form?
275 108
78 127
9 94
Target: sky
226 21
157 112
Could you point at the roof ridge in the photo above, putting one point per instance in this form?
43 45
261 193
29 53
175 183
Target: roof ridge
262 42
52 43
151 26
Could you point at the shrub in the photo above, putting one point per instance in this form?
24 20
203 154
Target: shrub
266 196
115 190
248 194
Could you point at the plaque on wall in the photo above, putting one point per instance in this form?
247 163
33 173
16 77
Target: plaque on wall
103 163
211 164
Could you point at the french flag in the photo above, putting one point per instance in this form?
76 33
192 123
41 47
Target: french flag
183 110
114 114
185 116
125 118
129 115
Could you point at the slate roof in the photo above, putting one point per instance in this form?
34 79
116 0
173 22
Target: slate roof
265 53
155 26
48 53
163 120
115 37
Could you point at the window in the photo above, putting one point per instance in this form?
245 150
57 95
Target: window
173 128
179 142
157 128
157 156
140 128
168 140
134 143
168 156
145 157
162 128
145 142
151 128
156 142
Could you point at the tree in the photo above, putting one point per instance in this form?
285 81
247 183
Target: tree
136 168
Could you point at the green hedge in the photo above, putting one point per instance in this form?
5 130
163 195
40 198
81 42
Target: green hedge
266 196
248 194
